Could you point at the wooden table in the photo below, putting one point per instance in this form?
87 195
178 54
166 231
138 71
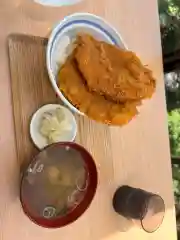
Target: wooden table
140 150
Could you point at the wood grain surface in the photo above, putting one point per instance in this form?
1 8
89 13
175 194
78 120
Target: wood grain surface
30 88
136 154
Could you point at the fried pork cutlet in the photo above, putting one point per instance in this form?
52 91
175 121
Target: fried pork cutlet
72 85
115 73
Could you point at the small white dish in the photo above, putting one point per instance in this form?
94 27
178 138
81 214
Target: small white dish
57 3
70 27
38 139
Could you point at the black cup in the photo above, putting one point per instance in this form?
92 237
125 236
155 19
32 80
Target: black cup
144 208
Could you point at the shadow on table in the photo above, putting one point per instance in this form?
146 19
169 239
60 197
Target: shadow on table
103 221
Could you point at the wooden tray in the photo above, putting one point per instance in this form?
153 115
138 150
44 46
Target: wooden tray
31 89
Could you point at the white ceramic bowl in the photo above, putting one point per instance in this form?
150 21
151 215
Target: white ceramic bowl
71 26
37 138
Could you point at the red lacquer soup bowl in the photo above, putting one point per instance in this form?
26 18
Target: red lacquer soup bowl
58 185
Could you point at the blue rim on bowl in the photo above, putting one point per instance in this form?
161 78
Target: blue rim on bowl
87 20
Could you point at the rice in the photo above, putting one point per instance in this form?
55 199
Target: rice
63 48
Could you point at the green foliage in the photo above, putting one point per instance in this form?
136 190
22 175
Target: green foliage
176 182
174 131
173 98
169 12
174 134
169 7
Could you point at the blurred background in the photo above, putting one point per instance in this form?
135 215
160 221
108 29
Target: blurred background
169 16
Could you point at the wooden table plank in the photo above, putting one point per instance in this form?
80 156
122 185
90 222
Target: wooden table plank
140 154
